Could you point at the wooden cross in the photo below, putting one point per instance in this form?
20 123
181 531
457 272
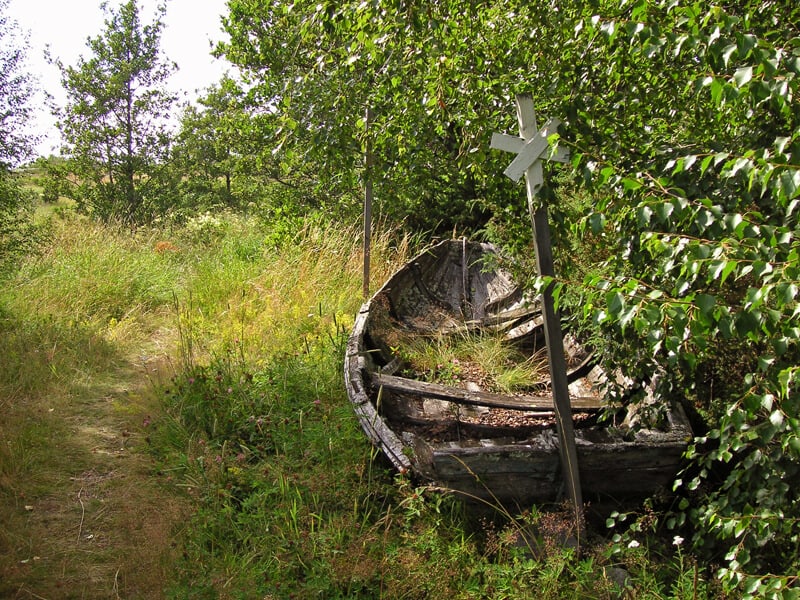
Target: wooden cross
531 147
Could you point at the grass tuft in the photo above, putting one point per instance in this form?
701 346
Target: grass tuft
485 359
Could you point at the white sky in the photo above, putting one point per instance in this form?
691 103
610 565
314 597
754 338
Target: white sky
190 27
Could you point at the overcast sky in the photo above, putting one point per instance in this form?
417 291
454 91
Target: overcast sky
190 27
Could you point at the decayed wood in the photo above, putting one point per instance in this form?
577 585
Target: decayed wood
496 321
477 398
505 462
612 466
607 471
527 161
372 423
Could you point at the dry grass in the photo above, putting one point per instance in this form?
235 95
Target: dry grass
86 329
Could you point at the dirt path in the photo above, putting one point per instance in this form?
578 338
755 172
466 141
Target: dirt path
84 515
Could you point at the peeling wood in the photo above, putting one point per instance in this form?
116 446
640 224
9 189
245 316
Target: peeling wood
522 402
492 462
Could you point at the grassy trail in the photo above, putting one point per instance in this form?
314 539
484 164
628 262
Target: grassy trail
91 332
85 330
82 514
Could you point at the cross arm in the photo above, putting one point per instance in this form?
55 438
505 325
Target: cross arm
512 143
530 151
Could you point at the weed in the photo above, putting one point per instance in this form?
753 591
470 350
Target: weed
487 360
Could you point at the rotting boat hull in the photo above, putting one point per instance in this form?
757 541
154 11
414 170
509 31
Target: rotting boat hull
484 445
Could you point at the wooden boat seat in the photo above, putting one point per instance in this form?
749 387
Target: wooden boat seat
523 402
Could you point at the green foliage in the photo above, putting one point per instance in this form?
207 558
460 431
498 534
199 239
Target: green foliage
99 276
16 91
17 234
114 122
682 122
660 567
411 65
698 209
213 148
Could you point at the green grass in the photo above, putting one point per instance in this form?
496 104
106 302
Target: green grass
486 359
217 349
79 325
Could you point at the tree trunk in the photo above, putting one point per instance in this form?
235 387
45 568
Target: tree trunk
130 191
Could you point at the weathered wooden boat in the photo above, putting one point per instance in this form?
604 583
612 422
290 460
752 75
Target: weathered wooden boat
467 435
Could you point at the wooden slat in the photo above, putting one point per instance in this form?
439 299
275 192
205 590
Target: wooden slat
461 396
501 318
498 322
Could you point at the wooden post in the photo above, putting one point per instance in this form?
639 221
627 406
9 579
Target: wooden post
367 203
530 148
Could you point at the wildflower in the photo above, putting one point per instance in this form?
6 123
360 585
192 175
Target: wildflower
230 390
677 540
217 459
633 544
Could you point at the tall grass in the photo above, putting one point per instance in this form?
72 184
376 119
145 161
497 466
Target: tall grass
253 427
292 502
455 357
73 312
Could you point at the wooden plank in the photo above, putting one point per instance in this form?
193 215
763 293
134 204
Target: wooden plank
510 143
478 398
554 338
505 316
533 150
497 322
355 365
